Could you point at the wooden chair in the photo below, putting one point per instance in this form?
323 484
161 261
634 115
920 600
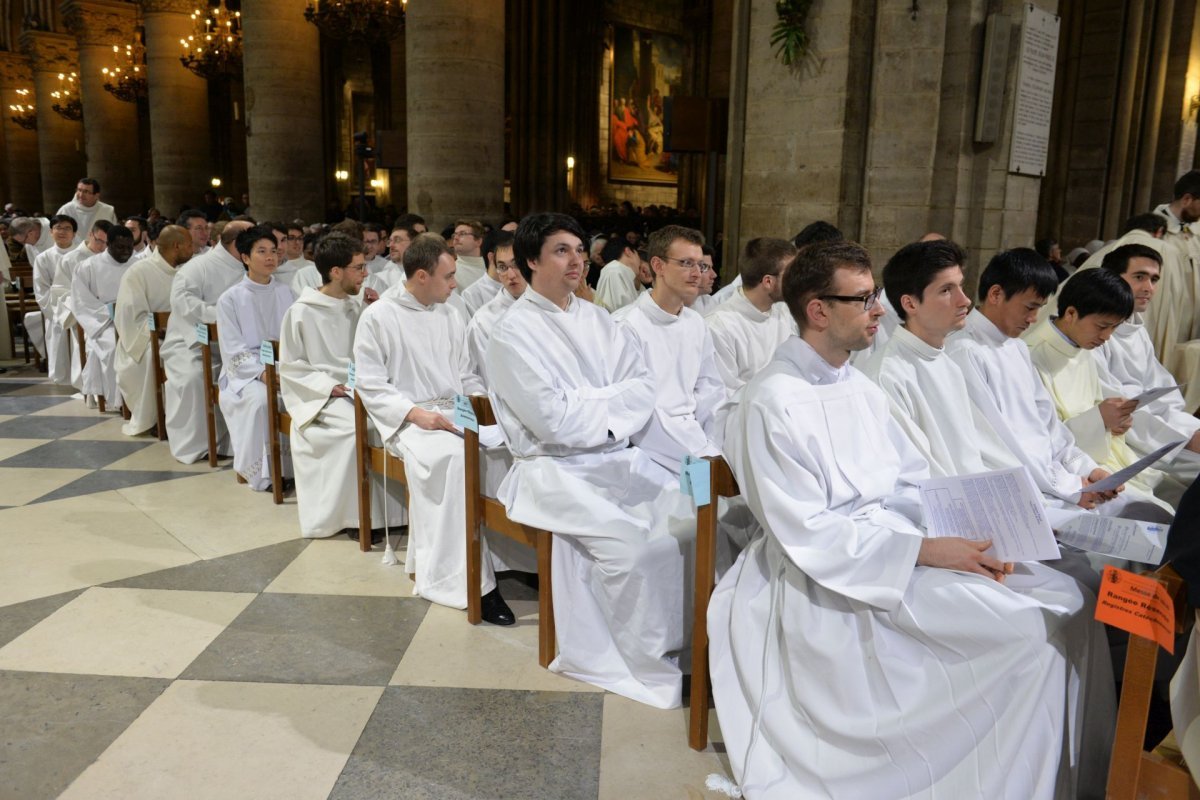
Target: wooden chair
1134 773
483 511
212 397
18 297
160 374
81 342
721 483
279 422
370 459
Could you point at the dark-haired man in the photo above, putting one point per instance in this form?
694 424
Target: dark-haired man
375 242
145 289
512 286
294 268
569 389
316 346
1091 304
94 291
86 208
469 265
249 313
618 282
954 638
196 224
58 345
484 290
749 325
410 355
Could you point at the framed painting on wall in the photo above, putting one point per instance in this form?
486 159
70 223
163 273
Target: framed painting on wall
647 70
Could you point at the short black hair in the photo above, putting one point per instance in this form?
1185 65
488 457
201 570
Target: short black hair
92 182
1096 291
614 248
59 219
103 225
810 274
253 235
1117 260
336 250
494 240
914 266
1150 223
119 232
191 213
762 257
1016 270
819 231
1188 183
140 222
532 233
1044 246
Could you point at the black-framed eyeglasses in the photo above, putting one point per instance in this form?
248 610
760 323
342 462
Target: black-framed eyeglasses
688 264
868 300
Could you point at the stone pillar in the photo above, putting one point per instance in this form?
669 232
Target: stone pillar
282 73
178 98
60 140
110 125
20 145
455 66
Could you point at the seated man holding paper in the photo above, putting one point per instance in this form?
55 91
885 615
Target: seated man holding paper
1091 304
569 387
410 355
853 655
1128 368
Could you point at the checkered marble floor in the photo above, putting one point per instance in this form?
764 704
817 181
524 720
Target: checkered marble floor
164 632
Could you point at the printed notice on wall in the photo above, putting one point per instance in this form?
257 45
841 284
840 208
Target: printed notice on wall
1035 92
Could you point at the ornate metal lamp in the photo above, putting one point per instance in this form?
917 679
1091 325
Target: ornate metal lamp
23 113
127 79
214 48
367 21
66 98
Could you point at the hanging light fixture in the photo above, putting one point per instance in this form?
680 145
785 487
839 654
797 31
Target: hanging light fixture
23 113
214 47
66 98
126 80
367 21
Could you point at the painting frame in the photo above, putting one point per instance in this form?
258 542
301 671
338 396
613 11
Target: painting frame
638 106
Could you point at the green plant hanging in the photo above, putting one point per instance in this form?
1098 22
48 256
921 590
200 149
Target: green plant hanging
790 34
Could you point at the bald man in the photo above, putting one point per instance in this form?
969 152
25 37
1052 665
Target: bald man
145 289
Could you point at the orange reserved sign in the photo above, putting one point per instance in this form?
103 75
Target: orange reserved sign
1137 604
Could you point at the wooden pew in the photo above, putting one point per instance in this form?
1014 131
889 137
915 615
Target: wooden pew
721 484
370 459
1134 773
488 512
160 374
279 422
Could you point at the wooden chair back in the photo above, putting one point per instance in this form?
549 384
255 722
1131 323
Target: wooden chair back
279 422
721 484
160 374
370 459
81 342
19 300
212 392
1133 772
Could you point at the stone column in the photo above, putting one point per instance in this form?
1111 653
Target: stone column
282 73
20 145
60 140
110 125
455 67
179 126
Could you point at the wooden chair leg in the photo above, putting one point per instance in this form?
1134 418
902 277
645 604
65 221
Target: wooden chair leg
546 634
100 403
362 448
274 448
706 537
474 531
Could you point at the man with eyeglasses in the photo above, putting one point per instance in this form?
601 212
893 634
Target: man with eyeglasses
377 247
194 293
196 224
678 349
512 285
296 270
705 301
316 346
469 265
86 208
751 323
393 272
64 276
58 345
484 289
988 675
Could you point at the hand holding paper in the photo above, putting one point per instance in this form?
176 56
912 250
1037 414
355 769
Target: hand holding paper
1123 476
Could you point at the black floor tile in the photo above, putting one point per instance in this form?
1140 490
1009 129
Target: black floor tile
20 617
75 454
251 571
28 427
109 479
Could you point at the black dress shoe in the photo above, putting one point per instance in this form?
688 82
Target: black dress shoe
495 610
376 535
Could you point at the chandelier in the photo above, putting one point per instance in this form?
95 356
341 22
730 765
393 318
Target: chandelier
66 97
214 47
24 113
367 21
127 80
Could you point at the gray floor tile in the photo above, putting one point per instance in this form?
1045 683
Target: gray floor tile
7 386
304 638
74 454
425 743
20 617
251 571
108 479
56 725
44 427
27 404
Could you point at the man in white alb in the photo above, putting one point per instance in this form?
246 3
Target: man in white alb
299 271
58 344
376 245
410 354
484 289
512 286
34 234
569 387
618 284
196 223
852 655
250 313
469 265
86 208
393 273
145 289
93 292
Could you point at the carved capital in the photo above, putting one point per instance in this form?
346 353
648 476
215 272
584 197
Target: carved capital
16 71
169 6
50 52
100 22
